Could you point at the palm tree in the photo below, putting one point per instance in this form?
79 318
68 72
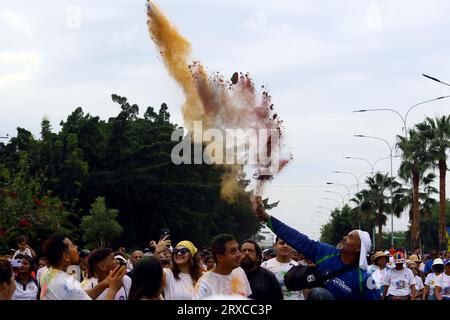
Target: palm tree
426 202
384 195
415 161
437 133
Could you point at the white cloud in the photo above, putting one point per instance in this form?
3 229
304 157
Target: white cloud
18 66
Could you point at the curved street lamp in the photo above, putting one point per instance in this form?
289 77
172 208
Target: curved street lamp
338 193
341 184
435 79
333 200
404 118
352 174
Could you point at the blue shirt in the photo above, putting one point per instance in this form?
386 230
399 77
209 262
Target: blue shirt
428 266
356 284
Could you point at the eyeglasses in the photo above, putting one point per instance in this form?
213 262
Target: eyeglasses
181 251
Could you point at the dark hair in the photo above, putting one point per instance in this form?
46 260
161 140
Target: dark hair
277 239
218 244
416 247
22 238
44 259
257 249
54 248
96 256
147 278
5 271
30 261
195 269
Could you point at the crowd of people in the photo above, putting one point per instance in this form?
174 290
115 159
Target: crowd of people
226 270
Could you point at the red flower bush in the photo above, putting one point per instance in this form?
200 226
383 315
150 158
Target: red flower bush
23 223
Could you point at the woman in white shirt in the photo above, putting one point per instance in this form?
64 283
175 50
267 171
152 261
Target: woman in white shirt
378 269
419 283
26 286
180 279
430 281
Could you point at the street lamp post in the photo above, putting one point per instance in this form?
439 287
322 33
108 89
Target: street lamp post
332 200
352 174
435 79
404 118
338 193
390 156
341 184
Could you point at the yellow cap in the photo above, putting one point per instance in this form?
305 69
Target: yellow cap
188 245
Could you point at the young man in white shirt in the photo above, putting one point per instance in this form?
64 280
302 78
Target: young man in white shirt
399 283
101 262
57 284
226 278
280 265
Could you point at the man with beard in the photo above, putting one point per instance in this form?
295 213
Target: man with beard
263 282
348 259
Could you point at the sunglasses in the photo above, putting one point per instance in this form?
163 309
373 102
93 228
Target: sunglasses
181 251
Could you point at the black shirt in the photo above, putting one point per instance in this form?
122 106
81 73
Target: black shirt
264 285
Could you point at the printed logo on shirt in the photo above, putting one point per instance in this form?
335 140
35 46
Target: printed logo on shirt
341 284
370 283
400 284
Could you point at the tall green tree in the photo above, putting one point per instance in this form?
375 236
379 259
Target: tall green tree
340 224
415 163
383 196
100 227
437 133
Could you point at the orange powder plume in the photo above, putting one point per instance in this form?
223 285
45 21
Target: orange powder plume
217 103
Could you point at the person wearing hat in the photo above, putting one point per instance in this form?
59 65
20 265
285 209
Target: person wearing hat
184 272
378 269
349 257
399 283
442 290
419 283
430 281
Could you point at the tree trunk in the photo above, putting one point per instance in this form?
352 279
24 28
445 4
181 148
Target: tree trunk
380 230
415 232
442 223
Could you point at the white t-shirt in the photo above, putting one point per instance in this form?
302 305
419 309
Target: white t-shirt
122 294
378 275
26 292
26 252
443 281
399 282
211 283
40 272
280 269
59 285
430 281
419 283
178 289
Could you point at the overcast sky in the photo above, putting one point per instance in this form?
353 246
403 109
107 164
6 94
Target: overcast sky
319 59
